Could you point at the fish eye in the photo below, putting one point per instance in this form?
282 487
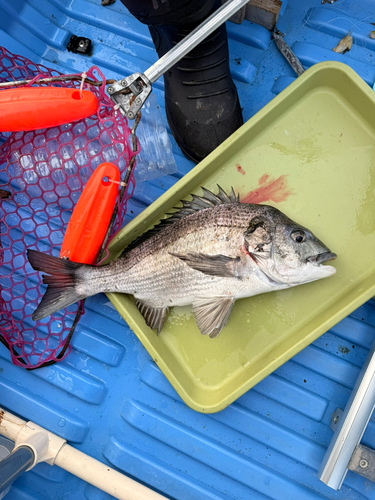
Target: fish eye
298 236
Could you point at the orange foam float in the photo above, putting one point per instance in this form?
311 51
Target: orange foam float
90 219
33 108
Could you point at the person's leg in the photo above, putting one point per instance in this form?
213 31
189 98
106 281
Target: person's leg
201 99
153 12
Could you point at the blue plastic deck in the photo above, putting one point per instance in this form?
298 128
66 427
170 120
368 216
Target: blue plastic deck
108 398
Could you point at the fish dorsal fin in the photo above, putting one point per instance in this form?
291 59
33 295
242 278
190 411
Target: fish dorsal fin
213 265
212 314
154 316
208 200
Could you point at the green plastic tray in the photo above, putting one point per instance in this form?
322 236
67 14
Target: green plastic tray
318 139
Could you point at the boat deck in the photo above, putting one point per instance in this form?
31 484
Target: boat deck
108 398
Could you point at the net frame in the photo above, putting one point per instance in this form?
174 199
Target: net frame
42 173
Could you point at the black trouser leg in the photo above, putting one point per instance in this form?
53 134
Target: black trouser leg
201 99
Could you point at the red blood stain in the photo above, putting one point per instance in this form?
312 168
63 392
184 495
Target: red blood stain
240 169
269 189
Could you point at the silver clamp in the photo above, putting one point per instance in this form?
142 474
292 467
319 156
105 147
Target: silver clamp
130 94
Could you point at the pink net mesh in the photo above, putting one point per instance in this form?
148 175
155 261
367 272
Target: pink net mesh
45 171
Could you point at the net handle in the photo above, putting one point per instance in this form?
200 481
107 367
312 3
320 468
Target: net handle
80 311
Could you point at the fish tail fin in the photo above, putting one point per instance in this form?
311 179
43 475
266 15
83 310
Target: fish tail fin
62 282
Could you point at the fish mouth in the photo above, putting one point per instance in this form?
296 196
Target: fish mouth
320 258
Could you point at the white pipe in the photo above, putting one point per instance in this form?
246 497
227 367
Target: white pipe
76 462
102 476
10 425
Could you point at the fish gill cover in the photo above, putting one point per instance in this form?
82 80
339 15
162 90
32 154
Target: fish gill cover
42 174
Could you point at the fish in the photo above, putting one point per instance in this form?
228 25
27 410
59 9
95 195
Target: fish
208 253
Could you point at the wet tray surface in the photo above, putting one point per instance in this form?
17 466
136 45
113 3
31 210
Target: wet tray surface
296 154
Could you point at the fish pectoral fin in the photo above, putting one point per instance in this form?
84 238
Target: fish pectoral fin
212 314
154 316
261 261
213 265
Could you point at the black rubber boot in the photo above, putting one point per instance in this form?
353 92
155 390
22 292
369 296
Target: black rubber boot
201 99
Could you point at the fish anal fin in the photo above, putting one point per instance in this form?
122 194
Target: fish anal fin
153 316
213 265
212 314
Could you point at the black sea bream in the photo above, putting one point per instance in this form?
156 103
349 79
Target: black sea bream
209 253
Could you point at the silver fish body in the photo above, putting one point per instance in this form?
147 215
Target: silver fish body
209 253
